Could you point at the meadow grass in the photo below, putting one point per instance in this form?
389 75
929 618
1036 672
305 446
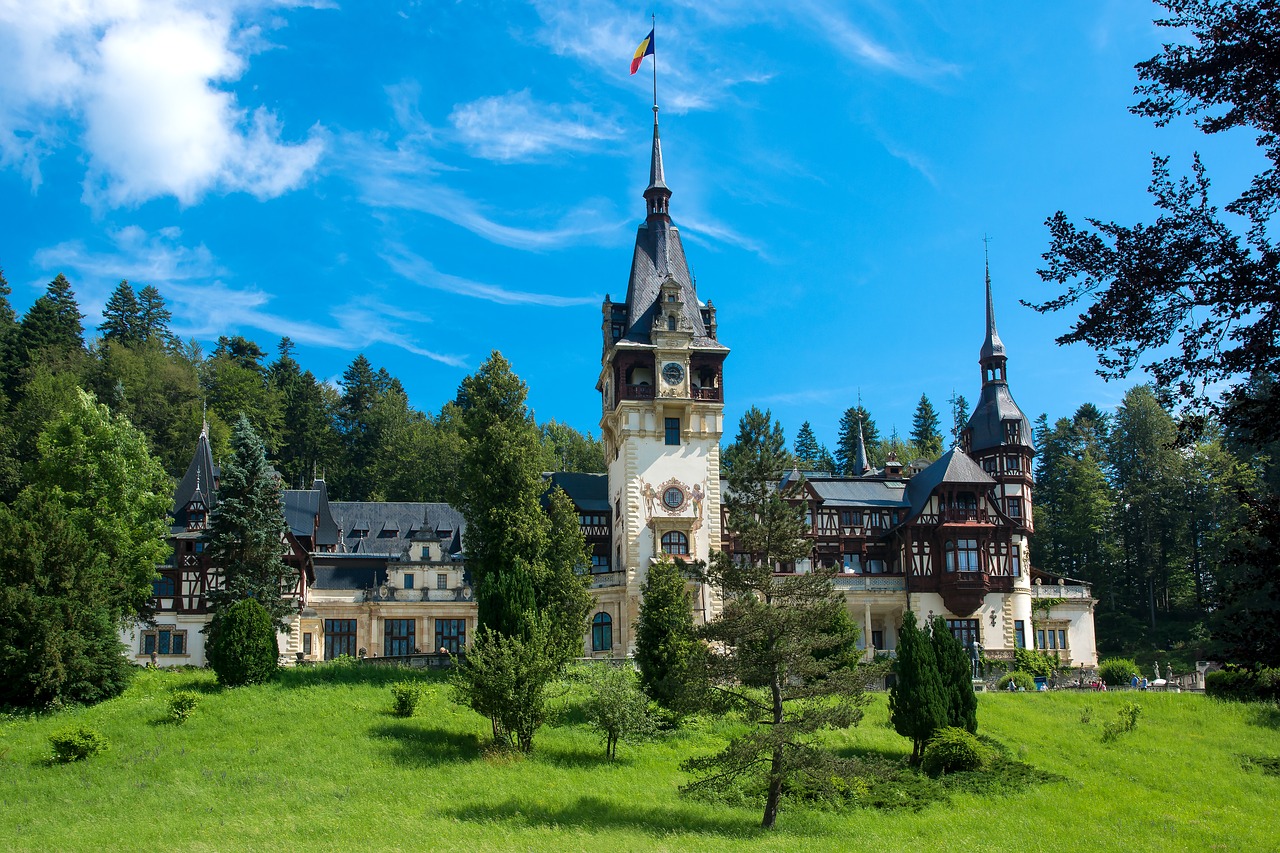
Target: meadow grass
319 761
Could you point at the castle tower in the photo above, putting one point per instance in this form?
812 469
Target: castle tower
662 398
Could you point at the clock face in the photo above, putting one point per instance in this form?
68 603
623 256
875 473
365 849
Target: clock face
673 497
673 373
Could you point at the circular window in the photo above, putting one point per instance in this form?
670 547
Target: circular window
673 497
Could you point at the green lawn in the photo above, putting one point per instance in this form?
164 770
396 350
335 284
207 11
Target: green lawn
316 764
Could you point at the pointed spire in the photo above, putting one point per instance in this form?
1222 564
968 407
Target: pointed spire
657 195
860 465
992 346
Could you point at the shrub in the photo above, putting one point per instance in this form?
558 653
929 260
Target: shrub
181 704
1036 662
952 750
1243 685
76 743
616 708
1115 672
1022 680
406 695
242 644
1127 721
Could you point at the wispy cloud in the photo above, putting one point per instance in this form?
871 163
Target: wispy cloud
830 22
706 231
143 86
514 127
204 306
421 271
916 161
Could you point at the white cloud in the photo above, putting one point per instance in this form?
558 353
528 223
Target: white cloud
830 22
145 81
514 127
204 306
421 271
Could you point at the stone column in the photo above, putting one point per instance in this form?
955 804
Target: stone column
866 627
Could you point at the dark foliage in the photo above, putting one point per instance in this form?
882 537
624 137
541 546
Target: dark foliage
1245 623
917 700
664 635
242 644
955 670
1244 685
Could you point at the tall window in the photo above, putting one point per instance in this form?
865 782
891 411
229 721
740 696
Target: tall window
675 543
306 644
339 638
451 635
673 430
962 555
601 632
398 637
408 580
1015 561
442 580
964 630
1019 634
1014 507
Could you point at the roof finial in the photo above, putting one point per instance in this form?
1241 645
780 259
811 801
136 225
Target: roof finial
860 465
992 346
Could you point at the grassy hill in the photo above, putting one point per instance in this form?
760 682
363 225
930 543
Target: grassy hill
317 761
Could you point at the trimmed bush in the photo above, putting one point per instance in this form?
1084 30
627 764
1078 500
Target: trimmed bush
952 750
181 704
1243 685
405 696
76 743
1116 672
242 645
1022 680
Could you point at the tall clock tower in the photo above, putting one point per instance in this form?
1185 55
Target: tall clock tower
662 398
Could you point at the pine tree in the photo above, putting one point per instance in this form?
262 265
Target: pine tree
154 318
308 441
777 639
955 669
664 634
847 444
806 447
924 429
122 317
917 705
246 529
959 416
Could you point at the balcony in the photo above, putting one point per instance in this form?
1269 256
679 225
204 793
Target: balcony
637 392
869 583
708 394
1055 591
963 515
604 580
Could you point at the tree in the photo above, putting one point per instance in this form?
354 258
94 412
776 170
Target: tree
122 317
242 644
1190 279
308 440
955 671
807 451
1245 622
505 678
235 382
775 637
562 585
959 416
566 449
917 703
615 707
247 530
664 634
853 420
50 337
924 429
154 317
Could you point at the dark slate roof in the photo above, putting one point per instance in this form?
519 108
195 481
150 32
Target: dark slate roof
389 527
995 406
589 492
659 255
197 483
954 466
301 506
859 491
992 346
349 577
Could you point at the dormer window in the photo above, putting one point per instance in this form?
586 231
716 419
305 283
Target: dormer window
1012 432
671 297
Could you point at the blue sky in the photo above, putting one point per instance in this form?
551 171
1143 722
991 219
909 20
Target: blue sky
426 181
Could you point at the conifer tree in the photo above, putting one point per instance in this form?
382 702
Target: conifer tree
924 429
154 317
806 447
664 634
955 669
847 444
122 317
959 416
917 705
246 529
779 638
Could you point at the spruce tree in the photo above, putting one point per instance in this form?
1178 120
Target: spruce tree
664 634
917 704
562 590
955 669
959 416
806 447
847 443
154 318
777 638
122 317
246 529
924 430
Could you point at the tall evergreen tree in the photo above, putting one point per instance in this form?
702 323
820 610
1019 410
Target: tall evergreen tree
847 443
664 634
308 441
246 529
50 338
778 639
917 703
562 585
924 429
807 451
154 317
959 416
122 317
955 672
235 383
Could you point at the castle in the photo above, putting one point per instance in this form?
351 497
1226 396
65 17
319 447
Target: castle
949 539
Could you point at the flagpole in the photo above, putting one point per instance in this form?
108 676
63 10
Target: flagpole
654 28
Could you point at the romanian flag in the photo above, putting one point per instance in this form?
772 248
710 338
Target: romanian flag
645 49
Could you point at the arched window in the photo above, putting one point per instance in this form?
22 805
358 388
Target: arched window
675 543
601 632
